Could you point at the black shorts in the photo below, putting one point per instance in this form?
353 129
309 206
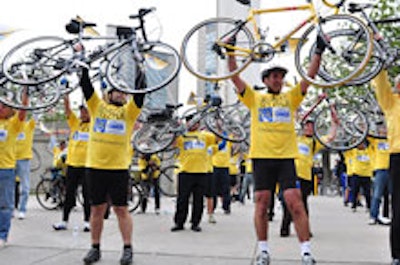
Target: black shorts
233 180
267 172
211 190
108 186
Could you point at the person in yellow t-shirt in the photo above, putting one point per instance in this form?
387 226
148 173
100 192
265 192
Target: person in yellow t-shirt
22 167
380 149
273 146
234 173
149 167
75 165
192 179
11 124
389 101
220 162
362 170
210 191
107 161
308 146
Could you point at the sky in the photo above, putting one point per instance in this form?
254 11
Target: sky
48 17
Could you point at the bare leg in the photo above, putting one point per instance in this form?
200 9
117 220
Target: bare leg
296 208
261 214
96 222
125 223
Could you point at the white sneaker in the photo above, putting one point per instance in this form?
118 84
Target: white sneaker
211 219
2 243
21 216
86 227
372 221
157 211
307 259
263 258
383 220
60 226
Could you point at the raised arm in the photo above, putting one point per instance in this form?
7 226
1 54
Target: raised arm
25 101
67 107
314 65
232 66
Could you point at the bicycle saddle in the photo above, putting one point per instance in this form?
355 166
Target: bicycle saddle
160 115
74 26
244 2
355 7
124 32
171 106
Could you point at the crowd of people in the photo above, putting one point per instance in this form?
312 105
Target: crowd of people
211 170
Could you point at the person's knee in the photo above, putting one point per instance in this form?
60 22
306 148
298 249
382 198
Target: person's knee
121 211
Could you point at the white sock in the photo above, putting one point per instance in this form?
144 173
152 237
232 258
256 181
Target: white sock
263 246
305 247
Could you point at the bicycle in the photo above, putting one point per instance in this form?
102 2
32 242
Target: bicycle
51 189
139 190
384 55
129 56
209 39
351 130
161 130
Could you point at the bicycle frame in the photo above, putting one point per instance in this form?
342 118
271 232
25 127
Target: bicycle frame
254 13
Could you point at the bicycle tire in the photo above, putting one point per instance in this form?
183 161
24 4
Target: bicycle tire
352 129
40 96
44 195
36 161
153 137
225 126
373 66
37 60
160 67
204 58
168 182
134 196
333 61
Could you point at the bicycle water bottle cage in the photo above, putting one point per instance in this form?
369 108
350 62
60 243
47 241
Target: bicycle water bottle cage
124 32
244 2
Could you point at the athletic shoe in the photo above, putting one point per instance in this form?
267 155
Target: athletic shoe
92 256
21 215
60 226
211 219
127 257
86 227
263 258
307 259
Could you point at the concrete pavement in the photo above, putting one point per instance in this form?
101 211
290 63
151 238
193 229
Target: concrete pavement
340 237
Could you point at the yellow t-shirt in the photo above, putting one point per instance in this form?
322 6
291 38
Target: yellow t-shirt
25 140
221 157
142 164
272 133
9 129
110 133
78 141
193 151
380 149
362 164
304 162
233 165
390 104
349 162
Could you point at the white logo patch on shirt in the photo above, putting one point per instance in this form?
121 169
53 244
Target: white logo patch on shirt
81 136
363 158
303 149
383 146
109 126
3 135
274 114
21 136
194 145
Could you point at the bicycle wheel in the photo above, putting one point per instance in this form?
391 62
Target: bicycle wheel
40 96
37 60
354 54
225 126
134 196
168 181
346 57
160 66
48 194
203 52
351 131
153 137
36 160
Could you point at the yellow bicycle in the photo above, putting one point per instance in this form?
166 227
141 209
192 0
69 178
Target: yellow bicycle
204 49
